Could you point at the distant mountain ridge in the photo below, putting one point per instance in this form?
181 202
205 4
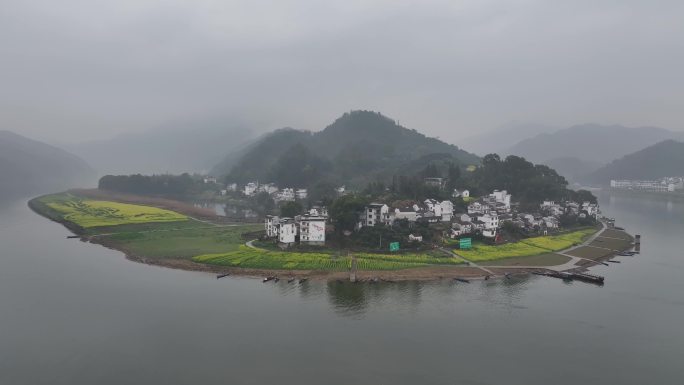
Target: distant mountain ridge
591 142
181 147
659 160
358 147
30 167
499 139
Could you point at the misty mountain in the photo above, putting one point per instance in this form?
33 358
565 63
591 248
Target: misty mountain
590 142
31 167
358 147
659 160
573 169
184 147
500 139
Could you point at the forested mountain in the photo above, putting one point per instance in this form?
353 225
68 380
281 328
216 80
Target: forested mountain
182 147
660 160
31 167
359 147
590 142
254 161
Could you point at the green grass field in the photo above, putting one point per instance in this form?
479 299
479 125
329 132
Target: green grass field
88 213
284 260
181 243
246 257
526 247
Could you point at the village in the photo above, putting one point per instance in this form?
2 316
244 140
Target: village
460 216
666 184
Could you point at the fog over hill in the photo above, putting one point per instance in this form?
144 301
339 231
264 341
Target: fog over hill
659 160
176 148
501 138
358 147
31 167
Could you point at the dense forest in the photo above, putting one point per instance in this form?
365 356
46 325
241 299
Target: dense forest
173 186
529 184
358 148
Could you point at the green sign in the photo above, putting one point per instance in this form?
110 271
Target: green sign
465 243
394 246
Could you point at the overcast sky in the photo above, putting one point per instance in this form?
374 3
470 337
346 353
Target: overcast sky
72 70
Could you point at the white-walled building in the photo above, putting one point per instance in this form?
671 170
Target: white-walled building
461 193
269 188
478 208
434 207
301 193
447 210
591 209
271 225
231 187
408 213
285 195
287 232
490 221
312 229
502 197
251 188
375 214
319 211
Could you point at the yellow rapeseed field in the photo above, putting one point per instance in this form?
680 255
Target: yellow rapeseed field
526 247
92 213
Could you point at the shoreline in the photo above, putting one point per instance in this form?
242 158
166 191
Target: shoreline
472 271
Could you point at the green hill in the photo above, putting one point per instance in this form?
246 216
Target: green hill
359 147
659 160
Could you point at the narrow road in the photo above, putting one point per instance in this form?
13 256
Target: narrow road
571 264
470 263
250 244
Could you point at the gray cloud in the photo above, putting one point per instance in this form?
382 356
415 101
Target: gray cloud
72 70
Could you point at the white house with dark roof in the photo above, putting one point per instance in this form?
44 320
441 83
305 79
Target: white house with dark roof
447 210
375 214
433 206
409 213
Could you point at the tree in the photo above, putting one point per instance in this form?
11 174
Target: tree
264 202
322 191
299 167
345 212
291 209
454 177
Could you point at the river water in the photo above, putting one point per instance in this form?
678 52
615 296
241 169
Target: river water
76 313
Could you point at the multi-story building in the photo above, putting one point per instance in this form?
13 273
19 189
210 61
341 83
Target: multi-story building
271 225
375 214
311 229
287 232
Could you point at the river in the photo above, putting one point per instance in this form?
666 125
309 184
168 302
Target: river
76 313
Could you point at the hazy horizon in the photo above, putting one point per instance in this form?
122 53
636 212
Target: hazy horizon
76 71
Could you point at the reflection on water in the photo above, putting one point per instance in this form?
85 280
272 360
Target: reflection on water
229 210
83 314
